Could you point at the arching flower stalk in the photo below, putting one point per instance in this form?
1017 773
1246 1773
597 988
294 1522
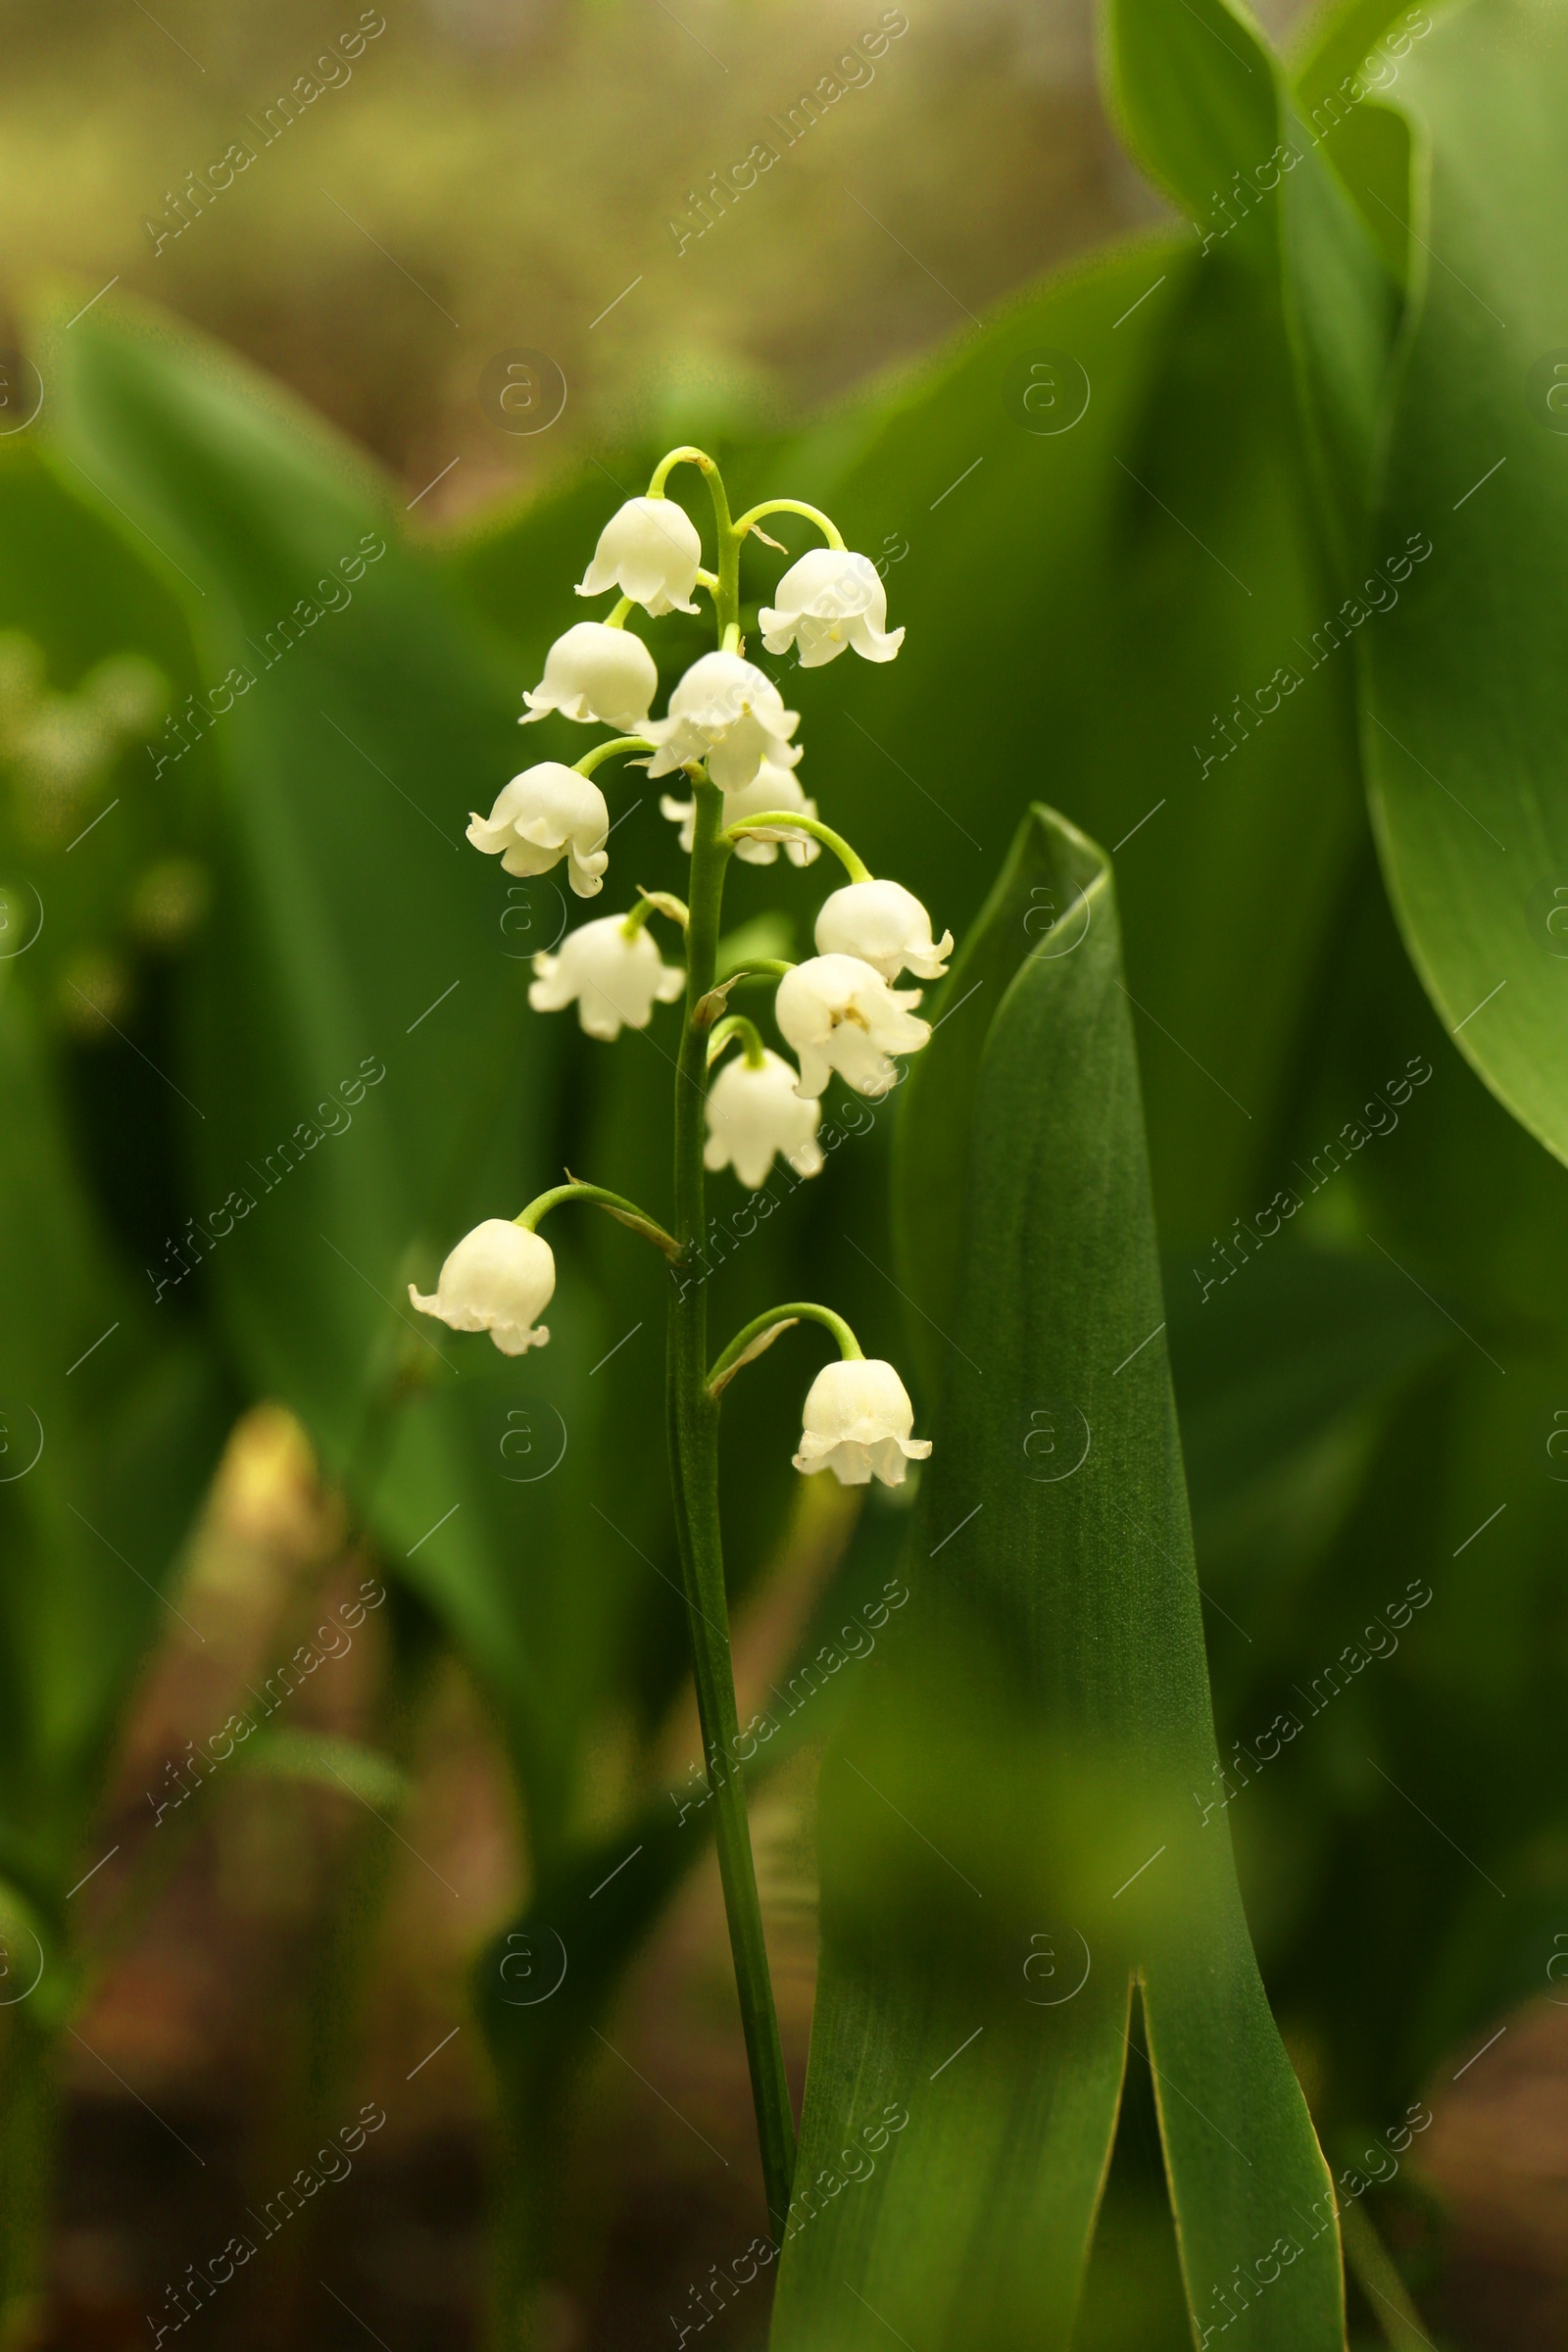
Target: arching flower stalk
727 731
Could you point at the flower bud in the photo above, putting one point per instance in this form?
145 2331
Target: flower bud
614 979
856 1423
497 1279
594 671
650 551
548 813
828 600
754 1112
886 926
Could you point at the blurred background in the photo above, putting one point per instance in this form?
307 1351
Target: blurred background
489 174
475 180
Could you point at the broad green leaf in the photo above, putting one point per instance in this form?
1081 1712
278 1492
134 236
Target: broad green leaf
364 1078
1208 108
112 1425
1468 708
1009 1838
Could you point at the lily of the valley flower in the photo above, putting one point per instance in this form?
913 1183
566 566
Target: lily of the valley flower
547 814
497 1279
614 977
828 600
886 926
856 1423
840 1014
754 1112
729 713
594 671
773 788
649 550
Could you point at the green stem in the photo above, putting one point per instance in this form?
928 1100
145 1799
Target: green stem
766 1328
686 455
852 863
733 1025
601 751
756 967
792 506
692 1413
625 1211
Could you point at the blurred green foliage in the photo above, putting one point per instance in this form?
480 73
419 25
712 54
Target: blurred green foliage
264 1029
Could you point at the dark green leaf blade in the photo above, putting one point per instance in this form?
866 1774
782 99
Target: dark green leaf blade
1009 1832
1468 688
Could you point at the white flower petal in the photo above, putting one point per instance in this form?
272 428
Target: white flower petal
856 1423
729 713
614 981
754 1114
498 1279
651 550
838 1013
829 599
597 672
886 926
548 813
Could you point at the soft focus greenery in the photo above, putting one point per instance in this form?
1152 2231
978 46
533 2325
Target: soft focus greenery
1274 618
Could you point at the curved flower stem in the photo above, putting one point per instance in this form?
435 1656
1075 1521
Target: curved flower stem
733 1025
625 1212
757 968
686 455
616 619
763 1330
601 751
852 863
792 506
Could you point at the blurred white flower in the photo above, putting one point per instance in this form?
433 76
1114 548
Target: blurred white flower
729 713
753 1113
598 672
771 789
828 600
548 813
886 926
856 1423
649 550
840 1014
497 1279
613 979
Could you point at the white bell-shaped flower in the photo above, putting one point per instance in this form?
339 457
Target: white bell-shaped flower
614 980
856 1423
548 813
840 1014
649 550
828 600
886 926
497 1279
594 671
729 713
755 1112
771 787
